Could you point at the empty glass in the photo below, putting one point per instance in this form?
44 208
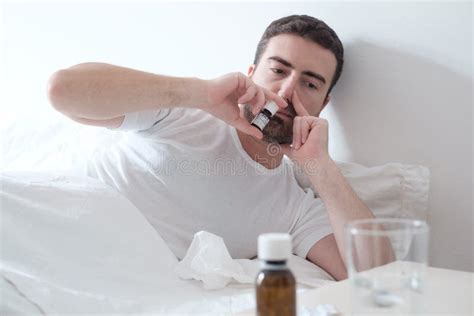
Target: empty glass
386 261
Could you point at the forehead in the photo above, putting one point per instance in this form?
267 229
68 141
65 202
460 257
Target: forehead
302 53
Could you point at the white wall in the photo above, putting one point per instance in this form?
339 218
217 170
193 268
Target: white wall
405 94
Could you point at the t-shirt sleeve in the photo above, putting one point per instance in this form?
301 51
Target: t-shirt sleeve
141 121
311 226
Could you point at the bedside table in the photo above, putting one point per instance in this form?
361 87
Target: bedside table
447 292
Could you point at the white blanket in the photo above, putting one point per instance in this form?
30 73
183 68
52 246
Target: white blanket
73 245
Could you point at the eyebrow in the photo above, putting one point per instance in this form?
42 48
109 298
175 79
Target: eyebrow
306 72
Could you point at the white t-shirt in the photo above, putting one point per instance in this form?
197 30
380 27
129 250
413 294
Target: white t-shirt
187 171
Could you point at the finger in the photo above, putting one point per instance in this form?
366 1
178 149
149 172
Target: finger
249 95
242 125
260 101
275 97
299 107
305 129
261 98
296 133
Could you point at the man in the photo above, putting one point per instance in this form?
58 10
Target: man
195 163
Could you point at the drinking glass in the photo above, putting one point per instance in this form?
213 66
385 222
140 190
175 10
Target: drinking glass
386 262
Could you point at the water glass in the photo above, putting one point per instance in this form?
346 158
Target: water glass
386 261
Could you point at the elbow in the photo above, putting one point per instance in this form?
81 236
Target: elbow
57 91
341 275
66 88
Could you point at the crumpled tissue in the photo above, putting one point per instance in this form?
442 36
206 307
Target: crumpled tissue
209 261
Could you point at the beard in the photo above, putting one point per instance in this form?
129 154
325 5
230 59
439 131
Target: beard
278 130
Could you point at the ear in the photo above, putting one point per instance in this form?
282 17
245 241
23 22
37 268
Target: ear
251 70
326 101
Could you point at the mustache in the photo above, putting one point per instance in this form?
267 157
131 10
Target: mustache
290 108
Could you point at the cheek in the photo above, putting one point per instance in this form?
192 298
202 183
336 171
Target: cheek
317 109
312 103
263 80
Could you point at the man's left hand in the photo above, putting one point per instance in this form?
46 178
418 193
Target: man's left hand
310 138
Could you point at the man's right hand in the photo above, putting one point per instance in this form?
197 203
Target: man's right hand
225 93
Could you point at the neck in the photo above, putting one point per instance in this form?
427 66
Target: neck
259 151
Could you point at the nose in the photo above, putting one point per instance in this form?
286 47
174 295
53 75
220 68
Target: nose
287 87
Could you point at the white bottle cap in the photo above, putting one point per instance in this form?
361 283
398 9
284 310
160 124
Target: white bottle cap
274 246
272 107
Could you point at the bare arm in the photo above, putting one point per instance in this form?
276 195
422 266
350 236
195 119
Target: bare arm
101 94
342 203
98 91
325 254
344 206
310 152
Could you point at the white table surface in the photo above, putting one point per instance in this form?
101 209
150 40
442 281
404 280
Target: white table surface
447 292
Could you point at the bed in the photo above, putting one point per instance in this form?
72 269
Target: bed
71 244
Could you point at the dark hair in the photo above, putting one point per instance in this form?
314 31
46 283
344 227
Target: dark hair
308 28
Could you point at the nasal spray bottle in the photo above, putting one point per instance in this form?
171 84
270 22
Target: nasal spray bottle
275 284
262 118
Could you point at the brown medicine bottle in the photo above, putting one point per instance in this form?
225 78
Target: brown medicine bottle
275 284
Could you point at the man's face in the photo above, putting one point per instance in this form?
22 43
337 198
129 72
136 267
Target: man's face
293 65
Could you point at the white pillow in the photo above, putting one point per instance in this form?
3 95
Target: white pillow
52 144
390 190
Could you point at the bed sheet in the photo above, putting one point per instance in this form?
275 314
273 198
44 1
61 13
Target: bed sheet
73 245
